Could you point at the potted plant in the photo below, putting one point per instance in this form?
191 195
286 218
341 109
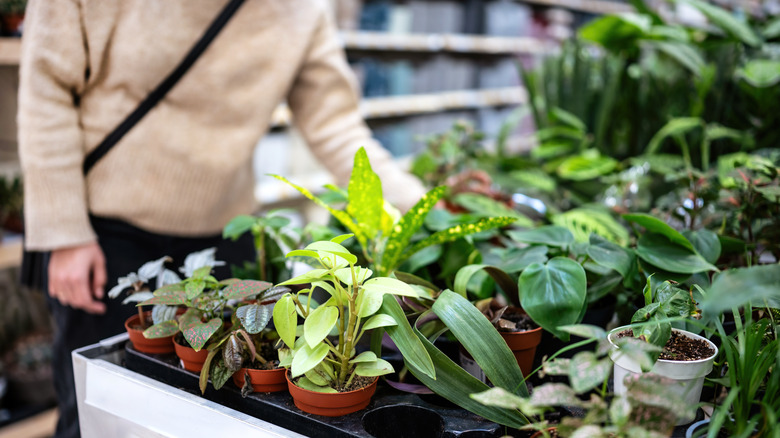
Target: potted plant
12 16
684 357
325 369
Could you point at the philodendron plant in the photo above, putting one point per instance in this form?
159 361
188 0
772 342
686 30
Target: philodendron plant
330 364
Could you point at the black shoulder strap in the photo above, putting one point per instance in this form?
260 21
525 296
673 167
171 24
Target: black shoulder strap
162 89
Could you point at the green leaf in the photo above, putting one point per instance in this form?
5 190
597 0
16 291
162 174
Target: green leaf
307 384
727 22
194 288
610 255
332 248
503 279
484 206
706 243
760 73
759 285
380 320
586 371
402 232
238 226
586 331
307 357
387 285
319 323
457 232
245 289
658 250
366 356
306 278
365 196
369 302
341 216
380 367
198 334
502 398
772 28
478 336
616 32
582 222
285 318
555 394
554 294
550 235
162 330
585 167
676 126
254 317
684 53
203 380
345 275
655 225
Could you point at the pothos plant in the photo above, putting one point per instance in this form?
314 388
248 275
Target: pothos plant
355 297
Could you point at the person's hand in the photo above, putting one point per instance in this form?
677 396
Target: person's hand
77 276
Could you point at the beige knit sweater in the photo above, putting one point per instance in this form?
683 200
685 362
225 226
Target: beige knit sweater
186 168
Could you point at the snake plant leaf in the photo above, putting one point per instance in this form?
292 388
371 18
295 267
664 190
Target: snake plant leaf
554 294
366 204
586 371
478 336
655 225
402 232
727 22
439 373
245 289
171 299
285 318
307 384
611 255
319 323
341 216
457 232
254 317
198 334
162 330
550 235
307 357
658 250
379 367
464 275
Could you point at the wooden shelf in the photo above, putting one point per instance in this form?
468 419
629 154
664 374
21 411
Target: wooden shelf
400 106
454 43
592 6
10 49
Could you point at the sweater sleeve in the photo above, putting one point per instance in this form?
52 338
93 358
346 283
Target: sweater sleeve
52 76
325 104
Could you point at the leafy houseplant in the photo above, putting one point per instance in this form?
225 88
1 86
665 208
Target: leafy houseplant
316 362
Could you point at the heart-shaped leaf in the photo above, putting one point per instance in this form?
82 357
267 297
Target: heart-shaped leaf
658 250
198 334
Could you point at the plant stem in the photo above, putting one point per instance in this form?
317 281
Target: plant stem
260 246
141 317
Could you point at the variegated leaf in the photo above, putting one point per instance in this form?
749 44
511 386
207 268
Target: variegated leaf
198 334
255 317
245 289
365 195
162 330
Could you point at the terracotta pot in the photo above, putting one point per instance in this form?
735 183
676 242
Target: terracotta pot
262 380
331 405
523 346
191 360
144 345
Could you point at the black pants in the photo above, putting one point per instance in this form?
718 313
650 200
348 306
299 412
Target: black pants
126 248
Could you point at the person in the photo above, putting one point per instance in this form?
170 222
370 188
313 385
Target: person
179 175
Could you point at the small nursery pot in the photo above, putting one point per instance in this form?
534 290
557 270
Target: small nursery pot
144 345
689 375
333 404
262 380
191 360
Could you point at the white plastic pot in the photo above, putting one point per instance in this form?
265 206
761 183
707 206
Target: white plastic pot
688 375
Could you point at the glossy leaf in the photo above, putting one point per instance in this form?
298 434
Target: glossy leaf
658 250
245 289
231 353
478 336
365 195
706 243
387 285
285 318
611 256
655 225
319 324
369 302
306 358
254 317
379 367
554 294
307 384
415 354
550 235
366 356
402 232
361 275
503 279
380 320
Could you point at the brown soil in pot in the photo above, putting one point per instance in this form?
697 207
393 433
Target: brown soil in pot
270 354
680 347
515 320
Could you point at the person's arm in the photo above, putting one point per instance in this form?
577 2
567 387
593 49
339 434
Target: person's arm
324 100
52 76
